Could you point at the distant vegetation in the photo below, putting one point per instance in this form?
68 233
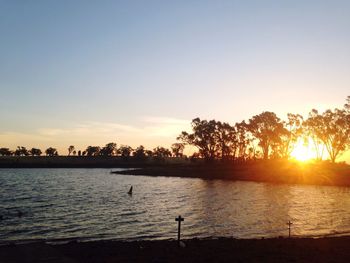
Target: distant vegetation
264 136
110 149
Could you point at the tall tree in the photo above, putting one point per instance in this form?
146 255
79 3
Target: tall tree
335 132
312 129
289 138
203 137
243 140
227 141
267 128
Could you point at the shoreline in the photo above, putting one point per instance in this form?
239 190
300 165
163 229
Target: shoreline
71 240
270 172
327 249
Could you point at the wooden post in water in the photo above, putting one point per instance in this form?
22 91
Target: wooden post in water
179 219
289 227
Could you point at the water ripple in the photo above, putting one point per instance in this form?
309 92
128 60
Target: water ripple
93 204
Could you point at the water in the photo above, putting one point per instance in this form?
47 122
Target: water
91 204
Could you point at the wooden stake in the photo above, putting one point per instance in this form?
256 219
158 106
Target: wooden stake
289 227
179 219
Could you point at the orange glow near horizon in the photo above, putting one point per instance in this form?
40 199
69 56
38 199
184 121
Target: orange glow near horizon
303 152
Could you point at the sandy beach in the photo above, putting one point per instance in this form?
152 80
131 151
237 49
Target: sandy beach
330 249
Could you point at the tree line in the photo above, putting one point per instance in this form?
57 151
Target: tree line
110 149
263 136
23 151
266 136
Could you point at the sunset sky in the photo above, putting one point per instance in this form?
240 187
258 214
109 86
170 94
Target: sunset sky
136 72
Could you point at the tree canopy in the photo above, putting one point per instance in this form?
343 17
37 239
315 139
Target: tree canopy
263 136
267 134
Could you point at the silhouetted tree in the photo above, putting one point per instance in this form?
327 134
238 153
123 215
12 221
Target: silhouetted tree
70 149
139 152
268 129
334 132
109 150
5 152
124 151
203 137
177 149
312 127
243 140
35 152
265 135
161 152
93 150
227 142
289 138
51 151
21 151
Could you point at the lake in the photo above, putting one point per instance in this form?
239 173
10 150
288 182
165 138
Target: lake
92 204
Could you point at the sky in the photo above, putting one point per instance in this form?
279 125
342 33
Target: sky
137 72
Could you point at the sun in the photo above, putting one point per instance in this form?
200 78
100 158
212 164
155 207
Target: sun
302 152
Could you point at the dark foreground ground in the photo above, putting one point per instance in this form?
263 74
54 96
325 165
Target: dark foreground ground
335 249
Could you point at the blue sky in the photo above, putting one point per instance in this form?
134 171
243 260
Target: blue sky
91 72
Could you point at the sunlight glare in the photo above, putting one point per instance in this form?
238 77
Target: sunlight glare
302 152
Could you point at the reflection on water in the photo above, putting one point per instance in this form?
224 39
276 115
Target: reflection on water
94 204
